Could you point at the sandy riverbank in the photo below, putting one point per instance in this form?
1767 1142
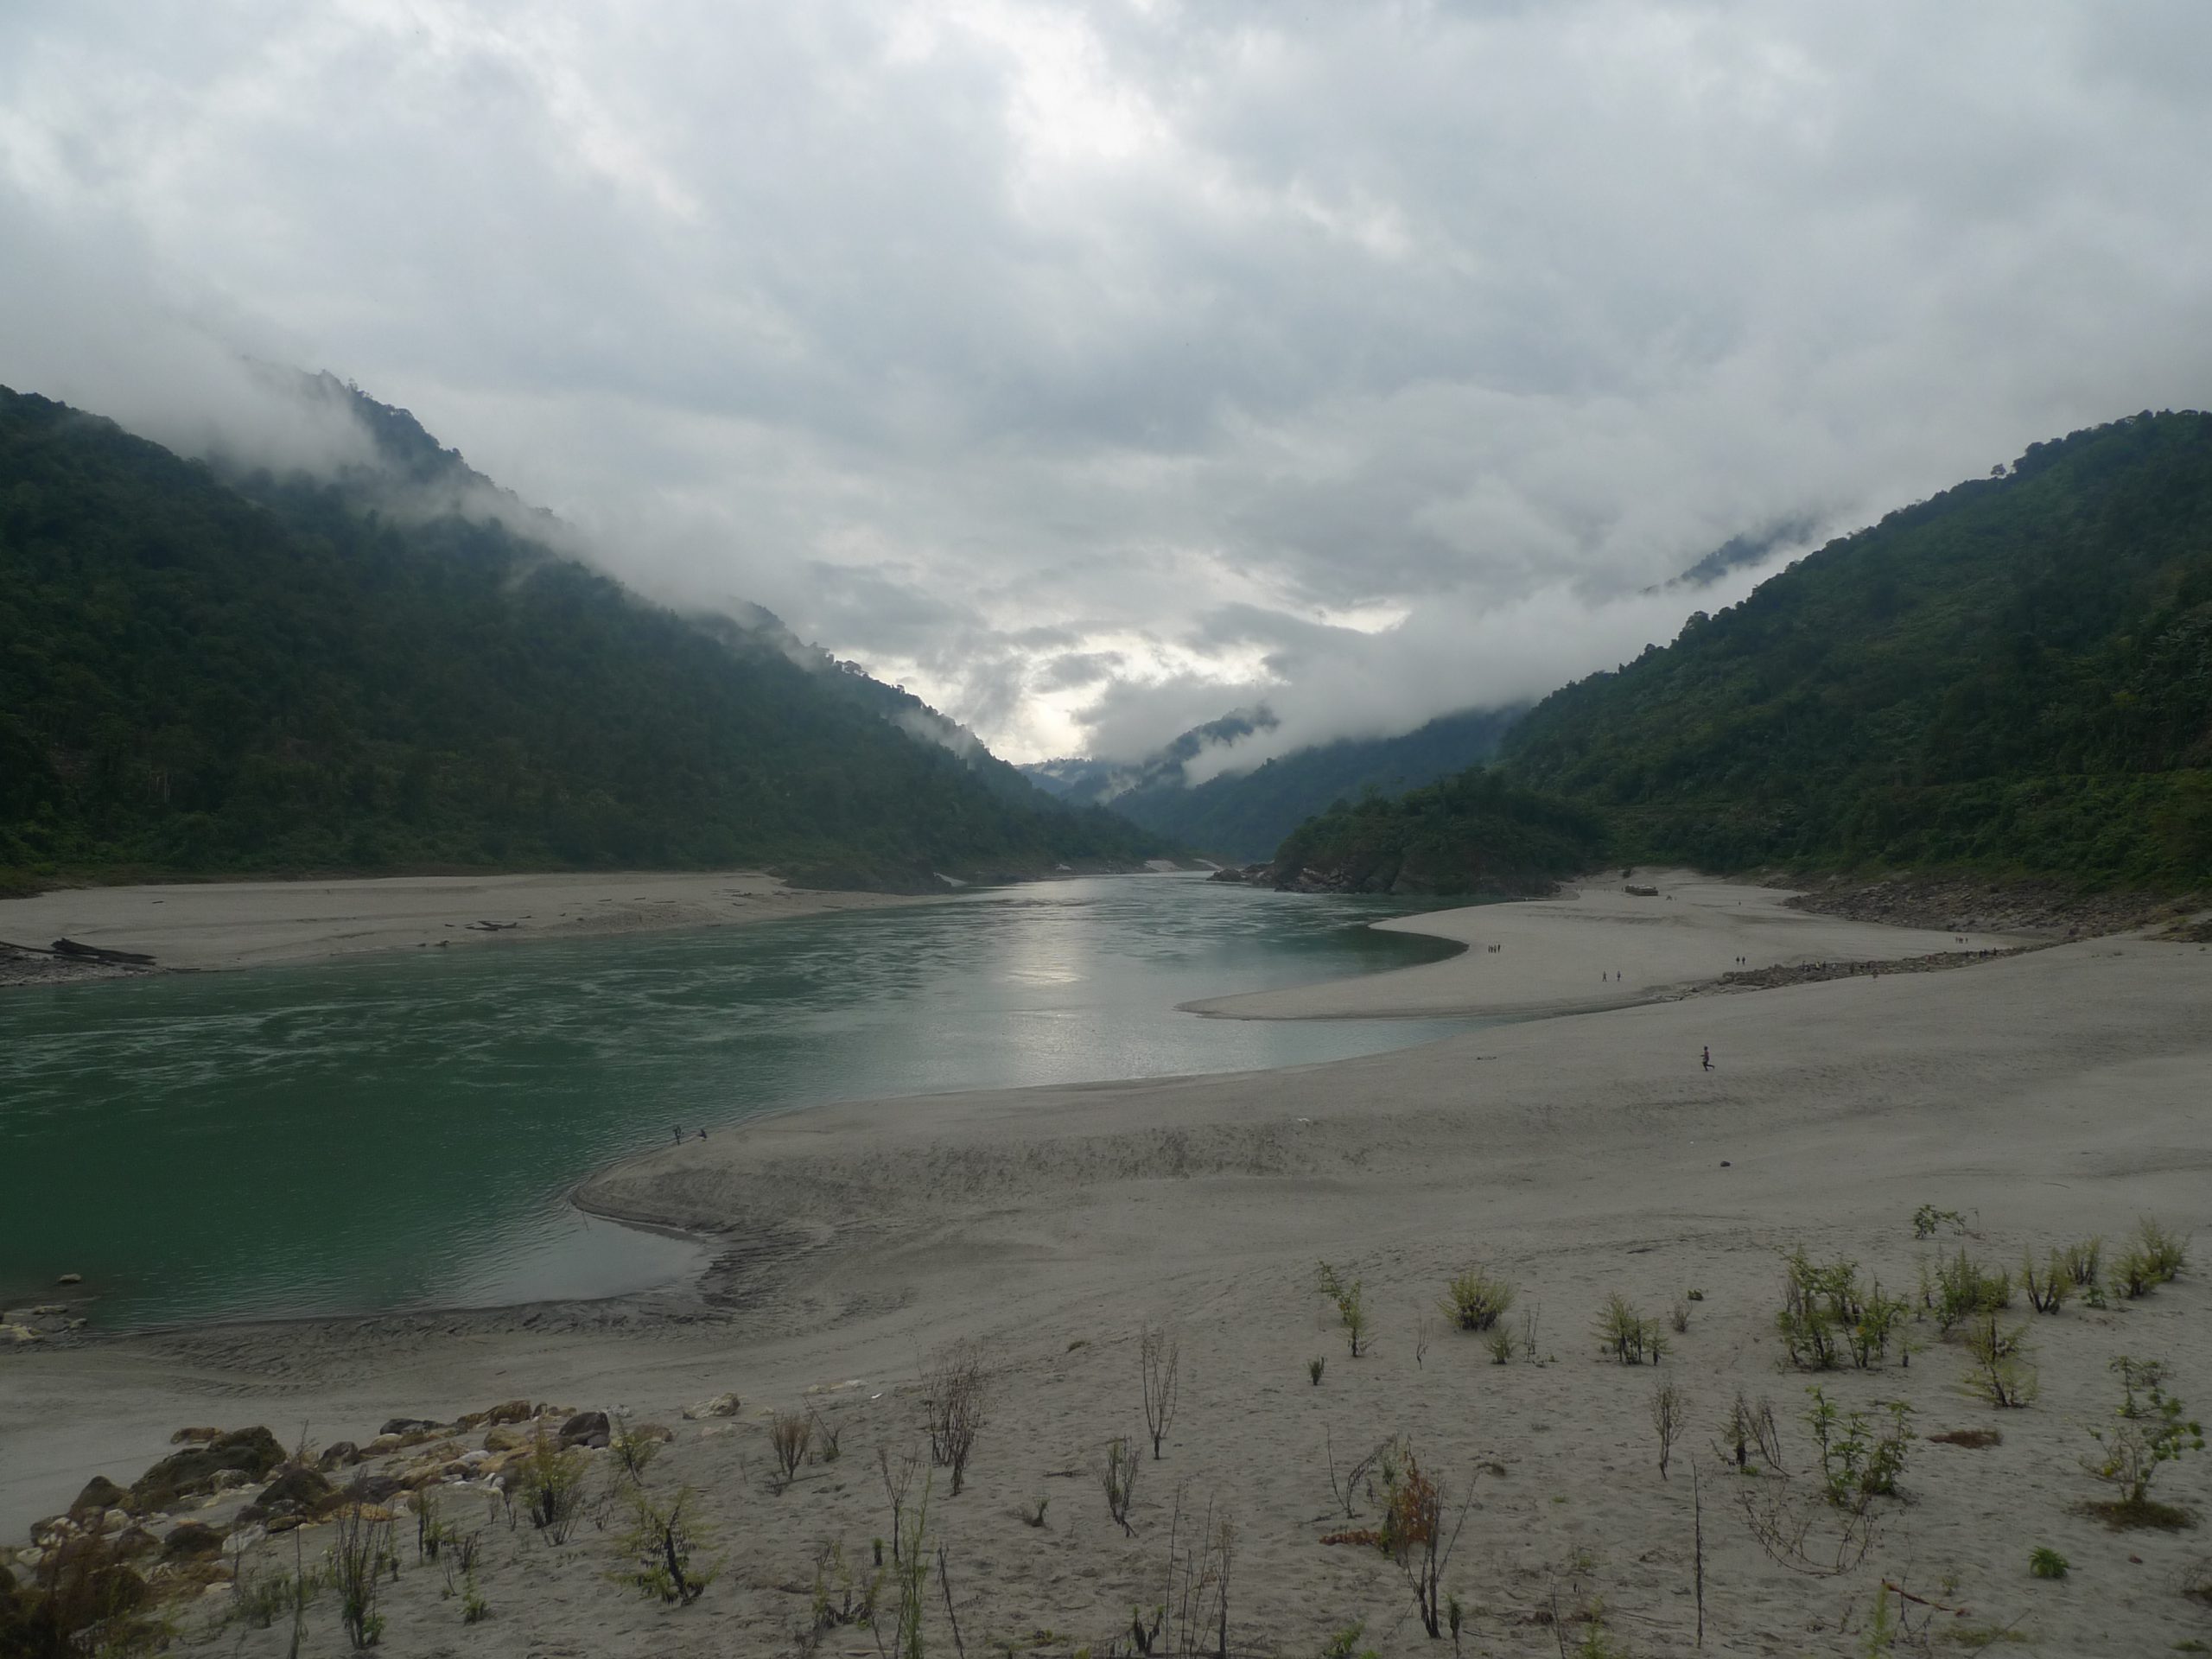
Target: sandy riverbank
222 924
1597 946
2043 1097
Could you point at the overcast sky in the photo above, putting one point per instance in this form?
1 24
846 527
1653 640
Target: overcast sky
1095 370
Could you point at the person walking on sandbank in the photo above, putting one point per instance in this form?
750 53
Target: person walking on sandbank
1708 1058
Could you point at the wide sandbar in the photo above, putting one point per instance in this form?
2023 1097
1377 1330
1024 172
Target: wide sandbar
219 924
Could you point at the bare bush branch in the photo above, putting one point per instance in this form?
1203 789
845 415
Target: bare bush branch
789 1436
959 1388
1348 1488
898 1480
1669 1413
1162 1358
1117 1473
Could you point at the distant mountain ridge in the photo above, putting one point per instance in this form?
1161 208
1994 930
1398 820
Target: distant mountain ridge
1245 815
211 669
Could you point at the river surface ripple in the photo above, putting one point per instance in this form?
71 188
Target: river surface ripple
399 1131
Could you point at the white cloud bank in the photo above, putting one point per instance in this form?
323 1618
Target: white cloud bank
1094 369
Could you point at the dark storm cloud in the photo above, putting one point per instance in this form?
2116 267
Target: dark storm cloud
1097 369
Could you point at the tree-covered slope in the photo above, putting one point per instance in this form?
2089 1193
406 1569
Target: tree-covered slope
2015 676
1474 833
207 675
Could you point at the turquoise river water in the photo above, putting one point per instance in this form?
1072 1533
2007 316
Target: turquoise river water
397 1132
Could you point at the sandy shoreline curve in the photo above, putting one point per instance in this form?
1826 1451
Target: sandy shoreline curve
202 926
1596 946
2043 1097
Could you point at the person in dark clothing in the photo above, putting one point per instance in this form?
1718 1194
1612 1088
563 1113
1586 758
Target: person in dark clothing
1708 1059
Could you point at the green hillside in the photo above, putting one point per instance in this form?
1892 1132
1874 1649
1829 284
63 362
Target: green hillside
1476 833
2014 677
202 675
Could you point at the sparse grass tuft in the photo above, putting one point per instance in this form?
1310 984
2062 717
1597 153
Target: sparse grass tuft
552 1487
1627 1335
2084 1261
2047 1290
1960 1290
1827 1312
1476 1301
2167 1254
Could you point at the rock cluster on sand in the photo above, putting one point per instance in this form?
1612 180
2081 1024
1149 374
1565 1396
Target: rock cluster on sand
1976 904
250 1454
58 1323
241 1486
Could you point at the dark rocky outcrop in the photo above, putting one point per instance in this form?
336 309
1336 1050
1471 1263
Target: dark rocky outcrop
190 1541
296 1491
100 1494
196 1470
585 1428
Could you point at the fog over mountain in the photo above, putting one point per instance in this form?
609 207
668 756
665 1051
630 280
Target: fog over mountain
1096 370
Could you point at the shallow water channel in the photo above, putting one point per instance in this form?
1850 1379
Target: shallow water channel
399 1131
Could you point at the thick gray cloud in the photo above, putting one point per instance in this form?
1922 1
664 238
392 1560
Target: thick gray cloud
1096 369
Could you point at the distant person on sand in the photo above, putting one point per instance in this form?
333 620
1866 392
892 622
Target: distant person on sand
680 1135
1708 1059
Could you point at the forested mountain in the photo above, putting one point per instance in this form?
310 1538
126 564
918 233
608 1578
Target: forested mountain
203 671
1475 833
2015 676
1238 815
